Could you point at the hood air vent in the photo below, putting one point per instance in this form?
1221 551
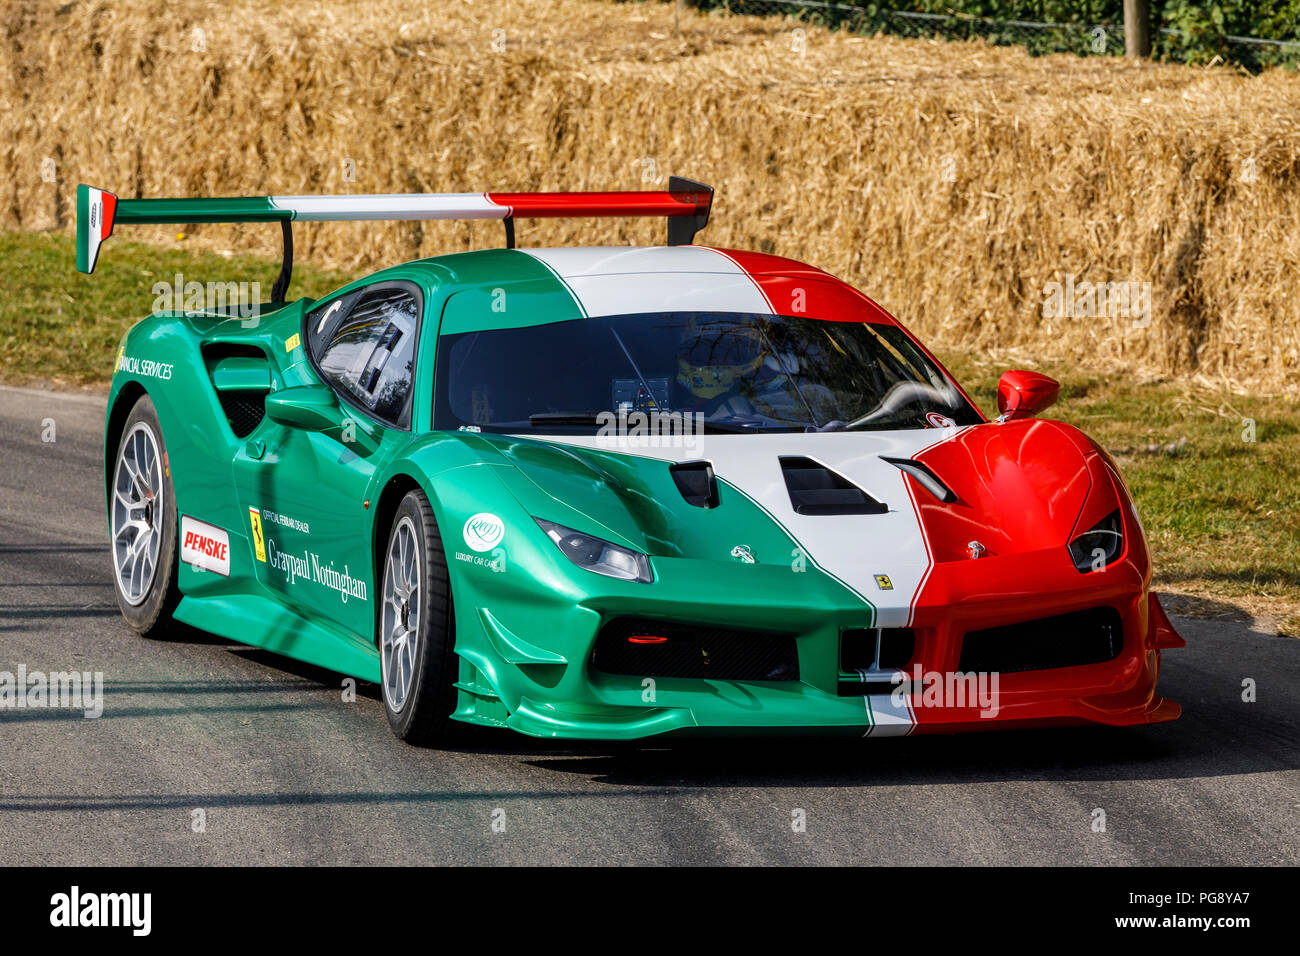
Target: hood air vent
924 476
695 481
816 490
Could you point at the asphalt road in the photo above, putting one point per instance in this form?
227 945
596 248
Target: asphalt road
286 772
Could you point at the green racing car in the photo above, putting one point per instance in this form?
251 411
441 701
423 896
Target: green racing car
616 492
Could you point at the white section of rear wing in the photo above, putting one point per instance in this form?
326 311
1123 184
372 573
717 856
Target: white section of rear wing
391 207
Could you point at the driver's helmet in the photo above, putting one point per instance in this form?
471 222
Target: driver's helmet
713 356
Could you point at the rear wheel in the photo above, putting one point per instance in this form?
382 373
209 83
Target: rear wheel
142 522
416 631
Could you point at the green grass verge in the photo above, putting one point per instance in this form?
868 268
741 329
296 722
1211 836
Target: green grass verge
1222 512
62 327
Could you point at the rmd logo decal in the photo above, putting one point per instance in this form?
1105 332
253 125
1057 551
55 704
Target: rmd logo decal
484 531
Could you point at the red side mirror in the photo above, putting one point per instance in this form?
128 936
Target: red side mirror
1023 394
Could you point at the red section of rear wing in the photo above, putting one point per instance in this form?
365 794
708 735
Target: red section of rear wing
685 204
584 205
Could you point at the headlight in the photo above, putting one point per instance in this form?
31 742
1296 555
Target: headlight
1095 549
597 554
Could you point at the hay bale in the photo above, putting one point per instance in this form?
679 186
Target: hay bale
951 181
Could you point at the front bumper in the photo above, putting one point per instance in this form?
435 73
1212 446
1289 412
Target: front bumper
529 666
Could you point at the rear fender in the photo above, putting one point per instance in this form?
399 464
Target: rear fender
163 356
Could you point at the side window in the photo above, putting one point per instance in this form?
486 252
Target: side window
364 346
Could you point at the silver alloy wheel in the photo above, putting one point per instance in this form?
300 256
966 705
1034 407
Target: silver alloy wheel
400 623
138 512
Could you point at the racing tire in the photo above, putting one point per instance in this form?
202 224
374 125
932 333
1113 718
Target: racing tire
142 524
416 627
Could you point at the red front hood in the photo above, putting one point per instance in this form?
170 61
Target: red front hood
1020 487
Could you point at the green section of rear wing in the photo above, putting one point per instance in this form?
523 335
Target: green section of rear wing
98 211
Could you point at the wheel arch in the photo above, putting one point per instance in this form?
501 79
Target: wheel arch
123 402
395 489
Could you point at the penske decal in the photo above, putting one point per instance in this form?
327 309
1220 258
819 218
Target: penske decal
204 547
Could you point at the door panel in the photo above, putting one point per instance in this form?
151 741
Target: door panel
305 492
304 501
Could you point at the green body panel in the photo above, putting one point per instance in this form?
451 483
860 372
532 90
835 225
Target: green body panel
240 374
504 289
525 616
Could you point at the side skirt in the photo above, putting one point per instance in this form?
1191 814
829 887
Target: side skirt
263 623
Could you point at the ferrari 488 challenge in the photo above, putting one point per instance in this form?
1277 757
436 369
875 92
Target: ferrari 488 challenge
616 492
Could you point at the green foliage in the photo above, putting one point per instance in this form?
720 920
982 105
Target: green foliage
1201 30
1192 31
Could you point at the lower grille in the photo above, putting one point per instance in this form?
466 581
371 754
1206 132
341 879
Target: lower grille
1066 640
646 648
244 410
866 648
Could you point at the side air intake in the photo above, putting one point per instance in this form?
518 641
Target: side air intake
241 375
816 490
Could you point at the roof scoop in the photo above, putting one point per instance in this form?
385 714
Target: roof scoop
816 490
926 478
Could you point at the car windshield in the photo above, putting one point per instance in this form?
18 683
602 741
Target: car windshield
739 372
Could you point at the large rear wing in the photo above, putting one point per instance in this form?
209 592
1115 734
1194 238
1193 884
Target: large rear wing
685 204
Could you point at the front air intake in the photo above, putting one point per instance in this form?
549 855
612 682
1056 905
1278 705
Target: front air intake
641 647
816 490
1065 640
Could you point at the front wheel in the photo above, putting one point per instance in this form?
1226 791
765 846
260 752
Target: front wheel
142 522
416 631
